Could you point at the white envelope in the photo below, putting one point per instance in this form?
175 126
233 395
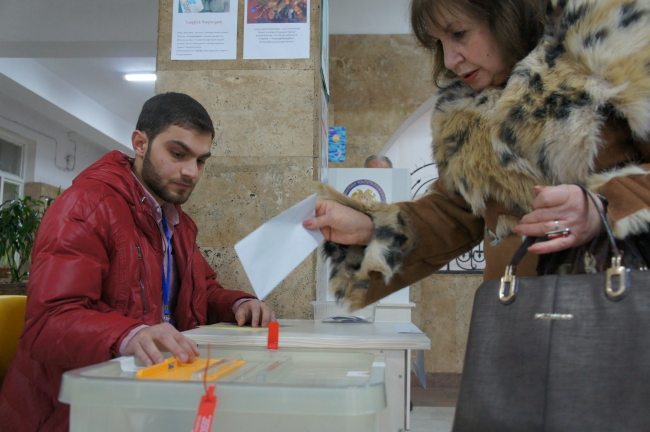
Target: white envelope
275 249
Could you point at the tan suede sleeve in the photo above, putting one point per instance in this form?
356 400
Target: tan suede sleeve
624 183
629 203
446 228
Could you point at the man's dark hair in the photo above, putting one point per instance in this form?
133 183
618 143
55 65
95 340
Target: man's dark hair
173 109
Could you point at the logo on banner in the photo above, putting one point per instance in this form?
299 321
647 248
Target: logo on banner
365 191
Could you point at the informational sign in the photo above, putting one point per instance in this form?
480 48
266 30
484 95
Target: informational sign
204 30
276 29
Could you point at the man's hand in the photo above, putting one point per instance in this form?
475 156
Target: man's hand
255 312
147 343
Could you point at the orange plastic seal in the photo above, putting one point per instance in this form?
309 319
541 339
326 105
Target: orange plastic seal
205 414
274 335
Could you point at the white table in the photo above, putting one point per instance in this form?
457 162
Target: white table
379 337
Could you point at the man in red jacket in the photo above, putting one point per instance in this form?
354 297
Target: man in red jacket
116 269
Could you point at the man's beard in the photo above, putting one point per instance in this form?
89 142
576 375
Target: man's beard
155 183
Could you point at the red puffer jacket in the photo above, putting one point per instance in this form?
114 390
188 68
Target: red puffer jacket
96 274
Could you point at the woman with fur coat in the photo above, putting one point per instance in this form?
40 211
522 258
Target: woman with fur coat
534 96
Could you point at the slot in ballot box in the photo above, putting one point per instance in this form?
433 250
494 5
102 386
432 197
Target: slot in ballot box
279 390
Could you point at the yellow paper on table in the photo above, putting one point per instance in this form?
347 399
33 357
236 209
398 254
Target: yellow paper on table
173 370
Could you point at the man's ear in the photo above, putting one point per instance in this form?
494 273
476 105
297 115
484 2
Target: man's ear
140 142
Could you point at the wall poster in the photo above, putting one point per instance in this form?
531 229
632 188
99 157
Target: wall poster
204 30
276 29
336 144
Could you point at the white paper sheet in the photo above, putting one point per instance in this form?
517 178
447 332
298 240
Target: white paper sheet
204 30
275 249
284 34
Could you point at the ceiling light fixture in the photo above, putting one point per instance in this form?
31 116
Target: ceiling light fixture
140 77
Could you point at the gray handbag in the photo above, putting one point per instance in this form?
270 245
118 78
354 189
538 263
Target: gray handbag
558 352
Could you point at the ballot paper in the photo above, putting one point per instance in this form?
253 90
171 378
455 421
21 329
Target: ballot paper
275 249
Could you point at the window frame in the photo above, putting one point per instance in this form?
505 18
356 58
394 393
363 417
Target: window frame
7 177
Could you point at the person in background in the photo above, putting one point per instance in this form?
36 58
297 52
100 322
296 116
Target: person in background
533 97
375 161
116 270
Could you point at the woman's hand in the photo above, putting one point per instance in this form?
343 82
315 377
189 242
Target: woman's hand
566 204
341 224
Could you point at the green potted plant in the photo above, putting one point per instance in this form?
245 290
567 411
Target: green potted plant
19 220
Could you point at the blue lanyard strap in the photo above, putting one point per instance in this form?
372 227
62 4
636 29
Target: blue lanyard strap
166 272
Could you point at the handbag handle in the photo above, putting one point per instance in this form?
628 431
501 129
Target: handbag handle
508 288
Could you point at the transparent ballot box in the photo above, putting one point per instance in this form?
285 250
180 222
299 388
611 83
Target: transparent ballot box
274 390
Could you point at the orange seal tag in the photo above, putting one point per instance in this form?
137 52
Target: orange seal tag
205 415
274 335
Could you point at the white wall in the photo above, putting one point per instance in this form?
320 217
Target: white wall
31 125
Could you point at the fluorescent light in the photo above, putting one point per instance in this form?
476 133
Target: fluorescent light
140 77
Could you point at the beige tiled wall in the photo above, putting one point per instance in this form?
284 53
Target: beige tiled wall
377 81
266 115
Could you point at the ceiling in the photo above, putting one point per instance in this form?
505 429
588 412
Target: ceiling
66 58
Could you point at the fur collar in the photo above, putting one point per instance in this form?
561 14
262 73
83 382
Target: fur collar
543 126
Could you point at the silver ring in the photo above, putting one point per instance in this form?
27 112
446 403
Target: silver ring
558 233
557 225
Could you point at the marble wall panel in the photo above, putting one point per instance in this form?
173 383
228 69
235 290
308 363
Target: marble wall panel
373 119
375 45
255 113
384 64
349 92
368 127
445 310
376 82
379 92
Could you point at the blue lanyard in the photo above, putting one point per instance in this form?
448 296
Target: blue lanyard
166 275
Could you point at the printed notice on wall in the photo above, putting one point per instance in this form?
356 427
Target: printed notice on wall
204 30
276 29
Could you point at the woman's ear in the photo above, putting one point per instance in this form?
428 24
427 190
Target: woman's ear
140 142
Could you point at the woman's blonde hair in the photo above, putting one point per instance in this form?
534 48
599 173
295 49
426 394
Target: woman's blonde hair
516 25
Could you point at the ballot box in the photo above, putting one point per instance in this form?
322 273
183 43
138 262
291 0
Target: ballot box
274 390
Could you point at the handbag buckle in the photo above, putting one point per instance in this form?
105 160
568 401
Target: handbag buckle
616 270
510 280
